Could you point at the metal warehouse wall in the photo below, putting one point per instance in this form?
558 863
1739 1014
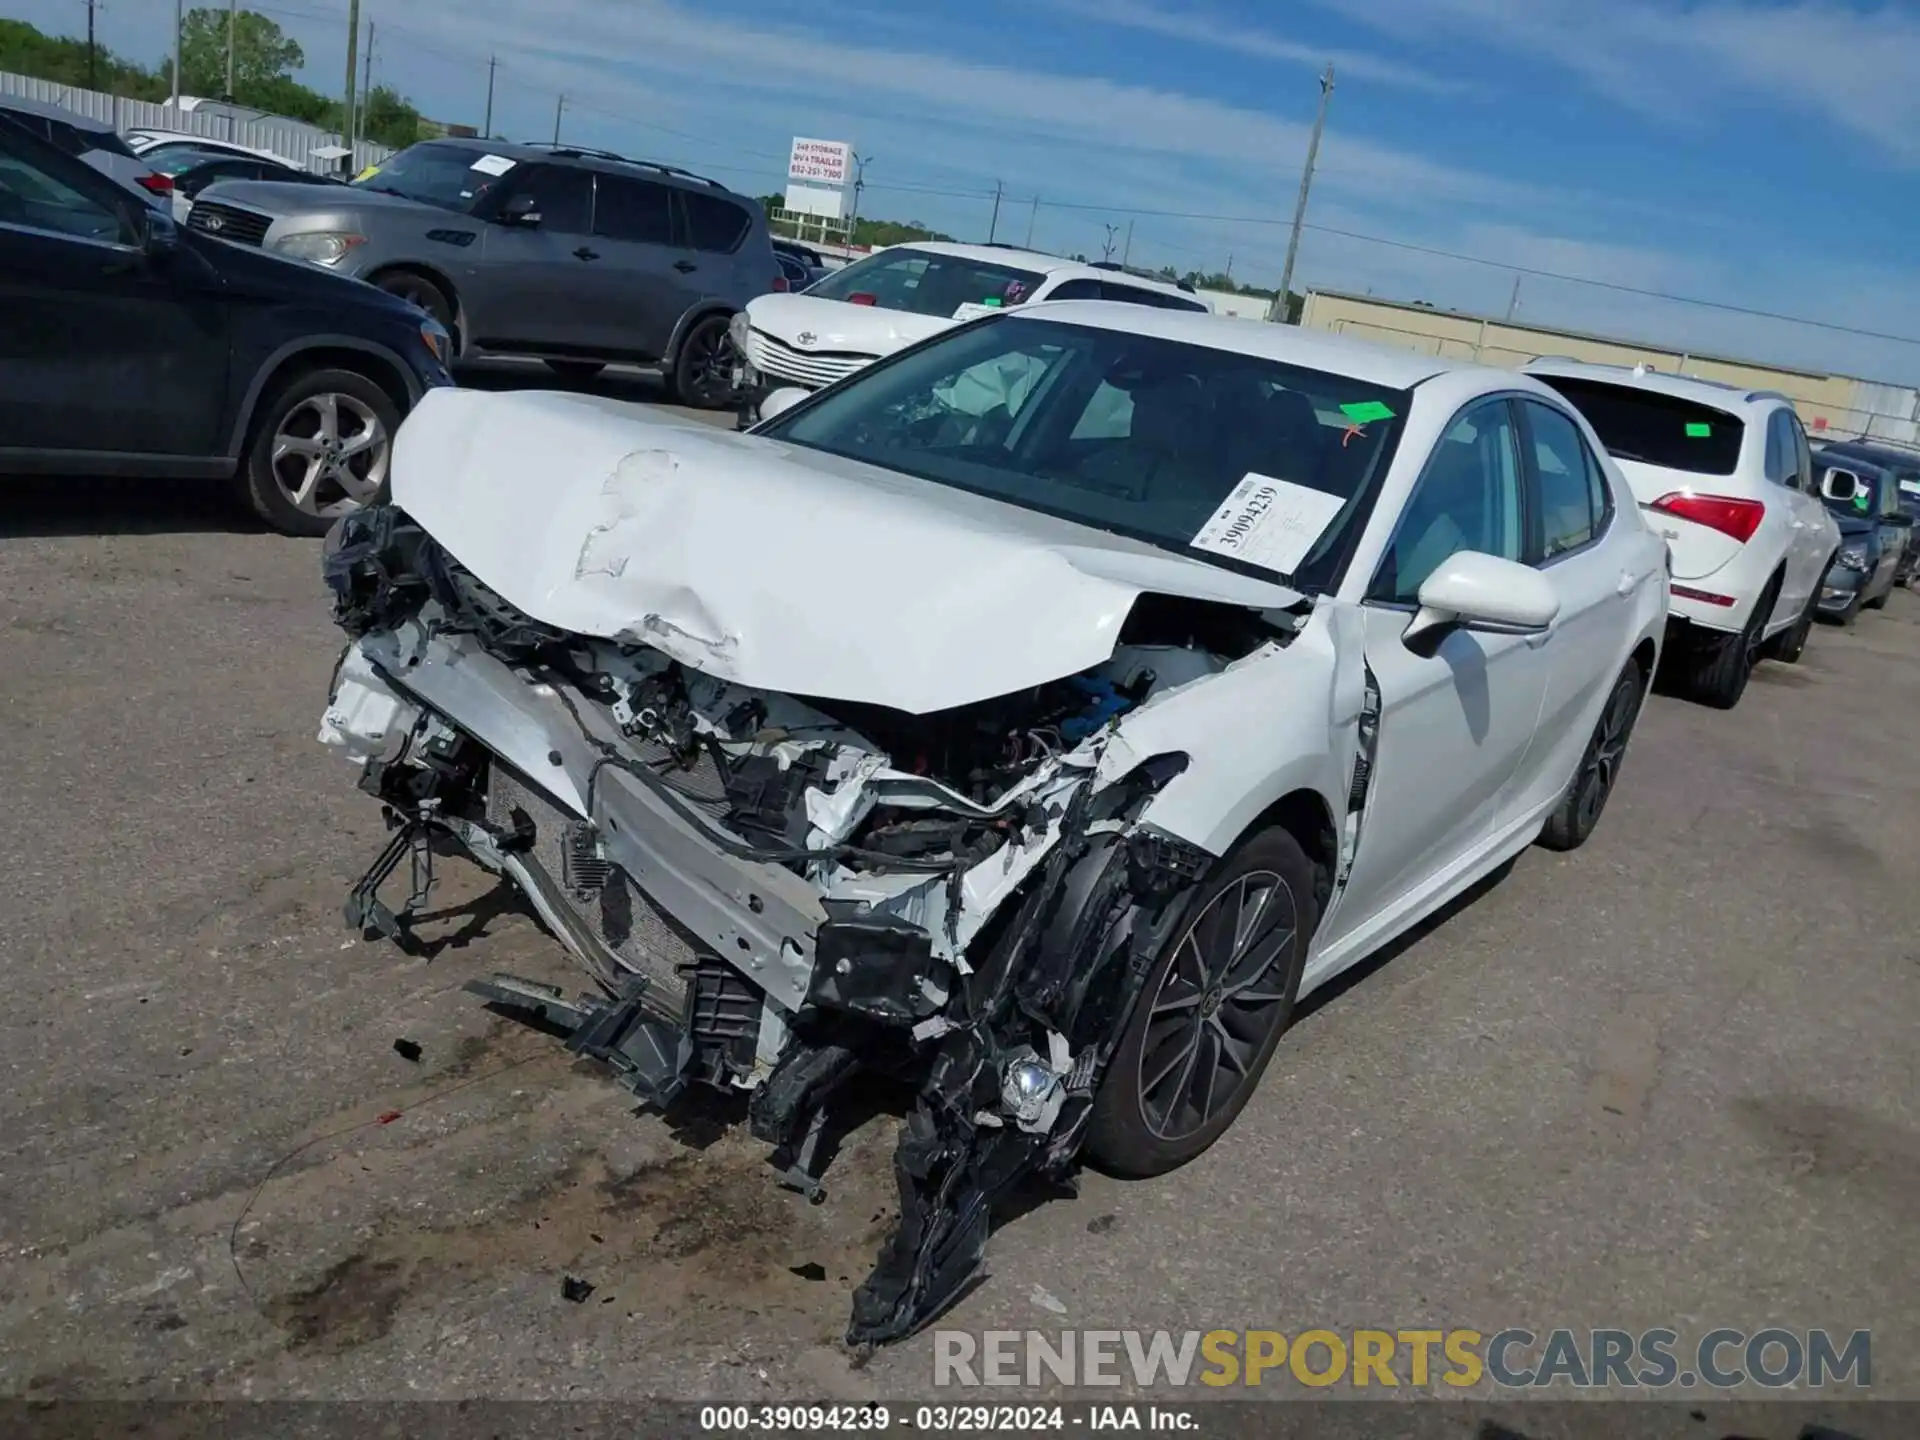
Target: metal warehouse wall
1834 405
292 139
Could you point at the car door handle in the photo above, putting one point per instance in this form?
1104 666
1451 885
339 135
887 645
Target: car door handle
685 267
1629 582
583 253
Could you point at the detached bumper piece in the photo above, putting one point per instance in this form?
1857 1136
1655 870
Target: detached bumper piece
649 1056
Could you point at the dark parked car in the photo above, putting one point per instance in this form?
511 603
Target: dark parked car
1904 465
194 170
802 263
94 141
575 257
131 346
1874 532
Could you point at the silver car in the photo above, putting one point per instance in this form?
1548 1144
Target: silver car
580 258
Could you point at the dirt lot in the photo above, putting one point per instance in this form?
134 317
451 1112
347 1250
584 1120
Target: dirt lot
1670 1079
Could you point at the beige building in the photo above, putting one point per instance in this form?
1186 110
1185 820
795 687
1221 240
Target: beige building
1830 405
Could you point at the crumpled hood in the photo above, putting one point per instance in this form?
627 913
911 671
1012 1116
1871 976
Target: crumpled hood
769 565
839 326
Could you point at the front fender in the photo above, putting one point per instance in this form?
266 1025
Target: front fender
1267 726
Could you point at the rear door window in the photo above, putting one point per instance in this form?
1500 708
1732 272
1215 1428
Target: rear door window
1655 429
713 224
563 197
634 210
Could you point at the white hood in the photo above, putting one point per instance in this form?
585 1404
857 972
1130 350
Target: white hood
770 565
838 327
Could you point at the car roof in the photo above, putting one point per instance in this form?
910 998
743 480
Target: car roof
1052 266
1734 399
203 142
1363 360
1891 456
584 155
48 111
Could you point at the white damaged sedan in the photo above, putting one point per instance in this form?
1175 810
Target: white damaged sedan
1035 716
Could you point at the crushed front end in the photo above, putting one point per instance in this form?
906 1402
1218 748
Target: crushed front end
773 893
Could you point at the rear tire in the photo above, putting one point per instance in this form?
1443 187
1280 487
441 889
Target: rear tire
1574 819
1208 1002
321 446
1716 672
703 367
1879 602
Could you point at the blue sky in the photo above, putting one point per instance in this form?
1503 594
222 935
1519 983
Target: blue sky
1758 154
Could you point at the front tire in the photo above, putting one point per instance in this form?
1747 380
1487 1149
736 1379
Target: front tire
703 369
421 292
321 446
1211 1012
1573 821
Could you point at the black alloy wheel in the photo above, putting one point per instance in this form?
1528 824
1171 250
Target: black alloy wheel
703 370
1569 826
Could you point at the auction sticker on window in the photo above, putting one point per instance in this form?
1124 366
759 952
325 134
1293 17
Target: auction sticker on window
1269 523
492 165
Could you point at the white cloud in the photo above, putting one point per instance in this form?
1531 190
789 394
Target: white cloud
1852 67
1200 29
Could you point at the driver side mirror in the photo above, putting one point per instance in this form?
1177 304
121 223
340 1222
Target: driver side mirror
1475 591
522 209
1840 486
159 234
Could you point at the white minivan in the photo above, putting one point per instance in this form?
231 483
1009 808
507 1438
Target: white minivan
898 296
1725 475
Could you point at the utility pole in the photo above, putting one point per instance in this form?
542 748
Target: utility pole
232 18
1127 253
993 225
859 184
558 106
486 130
353 64
1032 216
1513 303
1106 251
177 22
1278 310
92 81
366 90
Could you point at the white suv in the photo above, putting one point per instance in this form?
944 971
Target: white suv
1726 476
901 295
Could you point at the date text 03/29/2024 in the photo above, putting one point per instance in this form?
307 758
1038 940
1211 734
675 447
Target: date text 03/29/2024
960 1419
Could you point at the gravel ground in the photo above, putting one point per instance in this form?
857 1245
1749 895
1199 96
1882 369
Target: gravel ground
1667 1080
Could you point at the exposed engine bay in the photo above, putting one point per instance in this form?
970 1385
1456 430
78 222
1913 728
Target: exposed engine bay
773 892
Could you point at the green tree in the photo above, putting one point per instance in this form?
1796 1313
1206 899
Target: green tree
389 119
262 54
27 51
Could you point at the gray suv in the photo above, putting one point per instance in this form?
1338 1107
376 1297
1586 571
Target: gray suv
577 257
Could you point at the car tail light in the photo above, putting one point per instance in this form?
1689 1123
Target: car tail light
861 297
157 184
780 286
1731 517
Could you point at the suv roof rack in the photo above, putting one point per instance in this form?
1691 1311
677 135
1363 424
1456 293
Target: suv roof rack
587 152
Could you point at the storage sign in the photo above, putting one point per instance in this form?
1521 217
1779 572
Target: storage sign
820 162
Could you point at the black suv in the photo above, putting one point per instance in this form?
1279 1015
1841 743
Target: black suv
1902 464
577 257
130 346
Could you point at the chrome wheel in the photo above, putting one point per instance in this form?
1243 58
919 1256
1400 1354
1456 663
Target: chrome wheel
1218 1002
330 454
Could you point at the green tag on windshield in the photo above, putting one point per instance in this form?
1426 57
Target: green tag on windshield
1863 500
992 302
1365 412
1697 431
